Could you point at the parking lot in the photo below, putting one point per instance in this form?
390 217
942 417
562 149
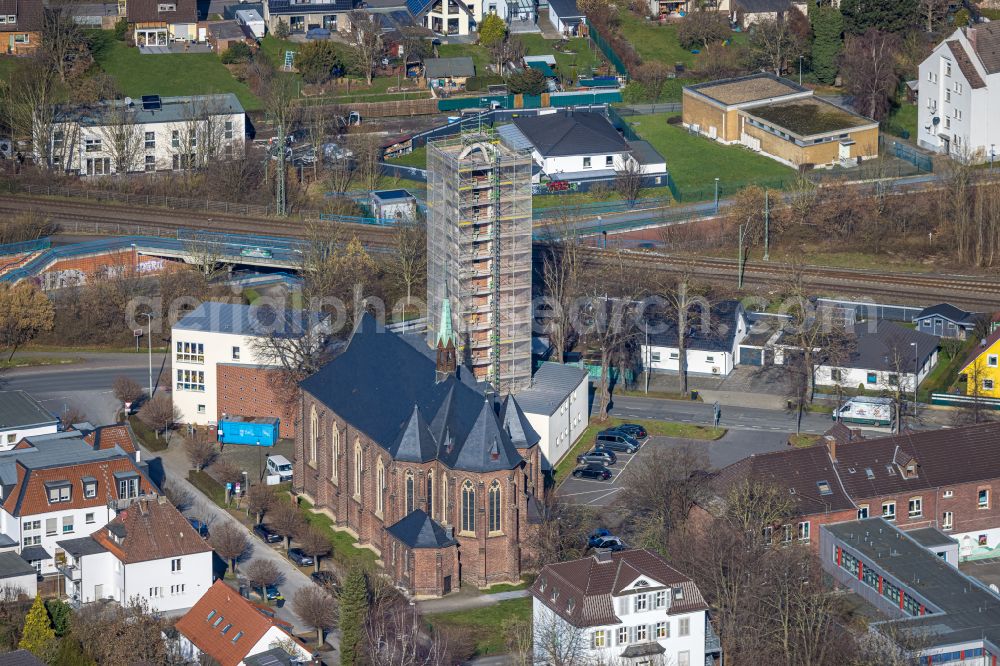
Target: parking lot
733 446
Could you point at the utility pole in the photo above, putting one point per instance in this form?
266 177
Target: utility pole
739 268
149 340
279 187
767 224
716 196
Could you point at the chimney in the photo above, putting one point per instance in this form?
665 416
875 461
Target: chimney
603 556
831 446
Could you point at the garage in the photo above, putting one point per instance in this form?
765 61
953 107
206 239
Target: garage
751 356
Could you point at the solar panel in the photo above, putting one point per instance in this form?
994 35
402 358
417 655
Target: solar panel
418 7
151 103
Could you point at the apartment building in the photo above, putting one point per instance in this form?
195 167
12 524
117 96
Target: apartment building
149 134
959 93
59 486
149 550
223 361
625 607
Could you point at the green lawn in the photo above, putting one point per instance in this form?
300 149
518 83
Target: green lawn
343 543
7 66
172 74
482 625
694 161
903 119
146 435
418 158
654 41
479 55
655 428
582 59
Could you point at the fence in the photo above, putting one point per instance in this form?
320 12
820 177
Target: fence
25 247
620 124
708 192
949 400
608 52
919 160
509 102
860 311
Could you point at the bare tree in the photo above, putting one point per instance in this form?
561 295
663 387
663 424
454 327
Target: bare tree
178 495
394 637
122 138
200 450
231 542
409 259
287 521
562 533
772 42
121 634
126 390
869 68
933 12
317 609
159 413
559 643
64 44
227 471
72 415
278 95
366 42
28 104
314 543
367 149
260 499
653 76
562 263
261 574
686 305
629 179
658 496
519 641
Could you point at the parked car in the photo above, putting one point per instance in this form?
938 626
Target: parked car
324 578
281 466
200 527
599 472
616 441
598 456
612 543
299 557
633 430
273 593
598 536
266 533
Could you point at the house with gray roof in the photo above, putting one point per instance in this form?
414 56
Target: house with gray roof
22 416
557 407
947 321
425 464
881 355
578 145
628 607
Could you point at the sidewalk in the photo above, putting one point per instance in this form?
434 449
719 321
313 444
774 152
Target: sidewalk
463 601
175 469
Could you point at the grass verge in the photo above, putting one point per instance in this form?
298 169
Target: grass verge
655 428
209 486
146 435
481 626
344 551
509 587
32 361
803 440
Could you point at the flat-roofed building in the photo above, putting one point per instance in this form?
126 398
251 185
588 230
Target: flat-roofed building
780 119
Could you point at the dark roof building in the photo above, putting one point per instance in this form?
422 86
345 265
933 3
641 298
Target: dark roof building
571 133
19 412
156 11
420 444
28 15
290 7
449 68
715 332
551 385
946 321
239 319
885 345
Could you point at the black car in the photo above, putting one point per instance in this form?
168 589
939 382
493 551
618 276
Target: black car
597 456
616 441
599 472
633 430
324 578
266 533
298 556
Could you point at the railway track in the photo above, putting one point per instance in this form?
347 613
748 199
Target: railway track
966 290
118 219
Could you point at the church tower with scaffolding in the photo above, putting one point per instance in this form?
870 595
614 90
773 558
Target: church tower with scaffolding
479 253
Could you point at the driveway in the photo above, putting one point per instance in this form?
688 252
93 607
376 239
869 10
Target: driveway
594 492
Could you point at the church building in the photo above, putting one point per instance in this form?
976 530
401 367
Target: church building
405 450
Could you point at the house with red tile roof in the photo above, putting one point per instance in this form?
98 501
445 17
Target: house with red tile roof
59 486
149 550
946 479
628 607
230 629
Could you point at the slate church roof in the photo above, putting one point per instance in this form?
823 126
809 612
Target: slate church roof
387 389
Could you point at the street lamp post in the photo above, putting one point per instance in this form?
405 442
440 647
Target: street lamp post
916 375
149 340
716 195
800 69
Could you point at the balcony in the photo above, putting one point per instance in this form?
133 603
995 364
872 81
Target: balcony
70 571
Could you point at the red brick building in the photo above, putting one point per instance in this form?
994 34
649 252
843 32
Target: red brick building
933 478
406 451
255 390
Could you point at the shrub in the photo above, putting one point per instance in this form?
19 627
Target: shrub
236 53
121 29
316 60
527 82
282 31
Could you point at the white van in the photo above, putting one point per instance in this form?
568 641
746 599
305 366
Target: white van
279 466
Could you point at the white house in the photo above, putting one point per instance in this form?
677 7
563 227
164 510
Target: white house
147 134
448 17
59 486
959 95
303 15
215 334
149 551
16 576
557 407
711 344
626 607
882 356
576 145
22 416
156 23
229 629
565 17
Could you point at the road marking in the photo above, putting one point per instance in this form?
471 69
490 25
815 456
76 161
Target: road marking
598 499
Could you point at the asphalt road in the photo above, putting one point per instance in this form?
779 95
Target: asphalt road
743 418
